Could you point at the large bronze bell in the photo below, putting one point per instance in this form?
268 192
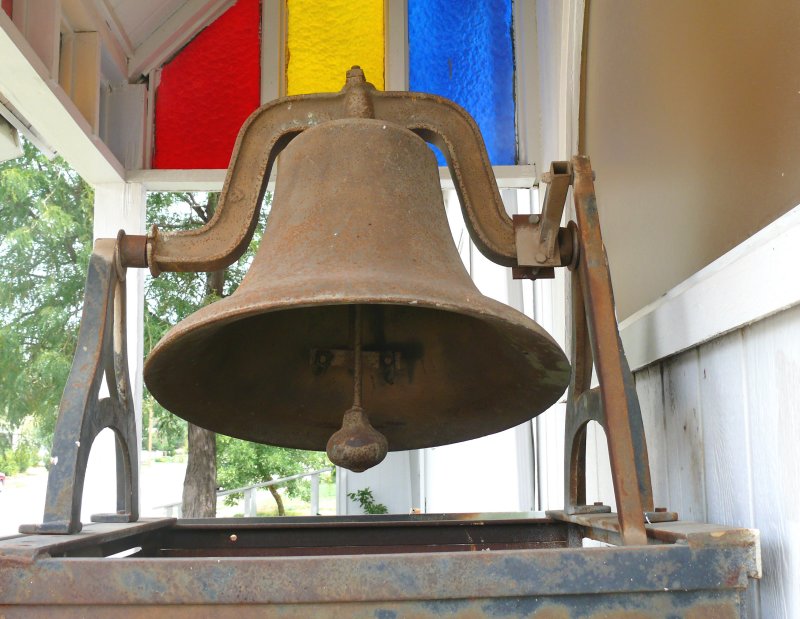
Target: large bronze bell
357 273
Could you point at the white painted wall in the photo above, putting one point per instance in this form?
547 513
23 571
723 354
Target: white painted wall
692 121
482 475
723 426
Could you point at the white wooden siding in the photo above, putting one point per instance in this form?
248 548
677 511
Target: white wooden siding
723 432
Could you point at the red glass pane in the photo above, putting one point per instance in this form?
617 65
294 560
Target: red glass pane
208 90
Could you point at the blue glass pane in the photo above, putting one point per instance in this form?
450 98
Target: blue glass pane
463 50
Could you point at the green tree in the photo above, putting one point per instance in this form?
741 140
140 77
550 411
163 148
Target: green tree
241 463
45 243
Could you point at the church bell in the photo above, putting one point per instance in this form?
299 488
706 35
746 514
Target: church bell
357 327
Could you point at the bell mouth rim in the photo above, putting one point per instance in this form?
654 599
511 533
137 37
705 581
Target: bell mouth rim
493 311
514 324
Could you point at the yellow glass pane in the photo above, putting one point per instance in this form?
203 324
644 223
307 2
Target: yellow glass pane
325 39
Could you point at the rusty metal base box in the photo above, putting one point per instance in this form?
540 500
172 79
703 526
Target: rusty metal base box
465 565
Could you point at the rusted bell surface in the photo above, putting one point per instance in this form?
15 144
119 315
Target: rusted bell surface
357 219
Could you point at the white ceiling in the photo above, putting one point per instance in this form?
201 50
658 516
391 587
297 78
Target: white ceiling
139 19
140 35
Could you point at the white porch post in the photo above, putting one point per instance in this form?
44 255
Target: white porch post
119 206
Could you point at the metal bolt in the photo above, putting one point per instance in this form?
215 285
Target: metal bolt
387 359
661 510
233 537
540 257
598 503
535 219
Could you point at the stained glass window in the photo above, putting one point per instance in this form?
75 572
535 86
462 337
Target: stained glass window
208 90
464 51
324 39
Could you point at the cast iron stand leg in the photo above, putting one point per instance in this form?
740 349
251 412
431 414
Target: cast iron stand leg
614 404
101 351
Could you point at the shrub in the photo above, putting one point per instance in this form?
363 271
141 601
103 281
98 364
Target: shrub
367 502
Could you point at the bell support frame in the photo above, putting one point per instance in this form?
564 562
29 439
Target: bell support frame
101 353
614 404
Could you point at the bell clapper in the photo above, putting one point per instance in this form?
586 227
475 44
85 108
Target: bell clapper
357 446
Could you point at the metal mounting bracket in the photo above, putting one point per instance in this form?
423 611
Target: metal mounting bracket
542 245
614 404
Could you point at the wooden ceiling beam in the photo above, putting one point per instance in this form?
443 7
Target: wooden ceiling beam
86 16
35 94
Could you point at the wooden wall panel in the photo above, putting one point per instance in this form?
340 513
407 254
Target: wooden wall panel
651 399
726 438
79 73
123 122
684 437
723 430
772 358
723 397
